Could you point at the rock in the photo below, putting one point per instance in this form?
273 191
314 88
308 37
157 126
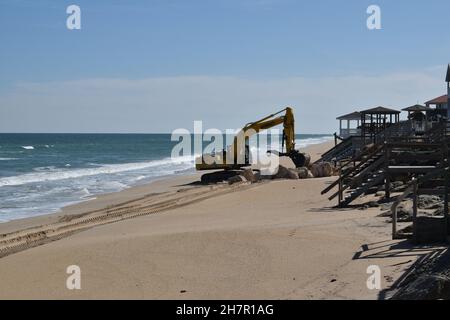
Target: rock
324 169
327 169
249 175
236 179
397 184
316 170
404 212
400 188
302 172
307 160
286 173
293 174
373 204
282 172
336 171
286 162
429 202
380 194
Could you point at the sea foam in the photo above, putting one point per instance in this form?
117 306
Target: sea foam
60 174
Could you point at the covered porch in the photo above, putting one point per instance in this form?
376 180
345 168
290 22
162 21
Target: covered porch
376 120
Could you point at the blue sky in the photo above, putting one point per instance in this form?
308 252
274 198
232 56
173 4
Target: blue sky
125 46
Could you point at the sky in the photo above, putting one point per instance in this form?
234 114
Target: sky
155 66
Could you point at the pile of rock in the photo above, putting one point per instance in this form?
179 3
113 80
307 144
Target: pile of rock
404 212
285 170
314 171
430 202
246 175
292 174
429 205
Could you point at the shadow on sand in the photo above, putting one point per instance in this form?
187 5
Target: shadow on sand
426 278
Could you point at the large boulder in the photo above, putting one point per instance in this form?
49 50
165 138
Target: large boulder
327 169
285 173
316 170
307 159
293 174
236 179
302 172
324 169
249 175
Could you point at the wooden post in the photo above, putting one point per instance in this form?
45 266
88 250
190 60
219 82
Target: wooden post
414 207
363 128
446 189
387 186
446 200
394 223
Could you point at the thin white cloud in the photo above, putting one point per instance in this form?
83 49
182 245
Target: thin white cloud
166 103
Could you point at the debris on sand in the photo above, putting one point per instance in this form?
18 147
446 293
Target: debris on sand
429 202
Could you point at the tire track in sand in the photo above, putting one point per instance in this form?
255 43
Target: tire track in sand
24 239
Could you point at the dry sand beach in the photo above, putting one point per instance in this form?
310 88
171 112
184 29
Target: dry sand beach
173 240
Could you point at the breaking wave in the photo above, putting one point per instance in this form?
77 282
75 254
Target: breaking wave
42 174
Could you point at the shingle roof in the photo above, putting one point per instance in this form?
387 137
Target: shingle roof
439 100
350 116
380 110
417 107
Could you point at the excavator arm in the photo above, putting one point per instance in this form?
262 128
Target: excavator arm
288 140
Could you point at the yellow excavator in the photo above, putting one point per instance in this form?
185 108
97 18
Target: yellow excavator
239 150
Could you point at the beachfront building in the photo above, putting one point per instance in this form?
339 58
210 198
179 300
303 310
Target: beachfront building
439 108
440 105
418 115
352 125
374 121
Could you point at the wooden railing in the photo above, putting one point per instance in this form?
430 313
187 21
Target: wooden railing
413 188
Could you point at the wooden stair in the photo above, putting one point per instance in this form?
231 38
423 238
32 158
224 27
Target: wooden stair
359 178
373 180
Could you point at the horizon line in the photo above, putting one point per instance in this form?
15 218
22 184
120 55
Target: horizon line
130 133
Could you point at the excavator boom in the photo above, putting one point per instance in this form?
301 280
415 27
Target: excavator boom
239 148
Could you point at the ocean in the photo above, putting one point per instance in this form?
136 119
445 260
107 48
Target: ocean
41 173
